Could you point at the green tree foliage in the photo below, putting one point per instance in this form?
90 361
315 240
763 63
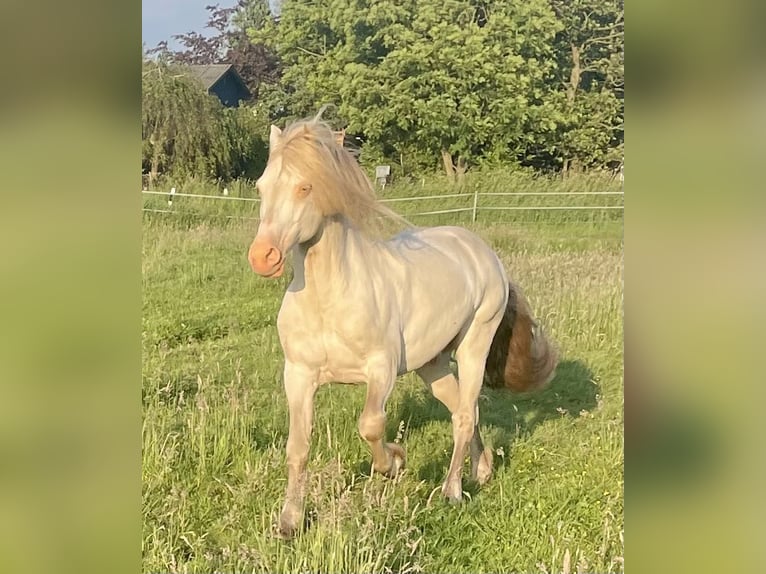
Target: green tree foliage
422 83
590 55
187 132
458 81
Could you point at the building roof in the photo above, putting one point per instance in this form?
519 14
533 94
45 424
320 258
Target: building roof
209 74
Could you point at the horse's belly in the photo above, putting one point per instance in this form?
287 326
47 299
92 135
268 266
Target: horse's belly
426 337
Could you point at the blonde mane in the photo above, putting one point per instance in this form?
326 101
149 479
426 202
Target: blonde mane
309 147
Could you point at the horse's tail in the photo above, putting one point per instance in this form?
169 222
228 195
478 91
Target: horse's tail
521 358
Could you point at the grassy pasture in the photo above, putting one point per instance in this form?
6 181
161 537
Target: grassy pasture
429 195
215 421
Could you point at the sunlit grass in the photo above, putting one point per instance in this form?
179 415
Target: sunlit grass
215 424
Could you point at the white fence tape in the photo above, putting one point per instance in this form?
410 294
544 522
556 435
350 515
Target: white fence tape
474 209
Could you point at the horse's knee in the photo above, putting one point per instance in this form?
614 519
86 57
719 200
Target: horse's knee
372 426
463 423
296 451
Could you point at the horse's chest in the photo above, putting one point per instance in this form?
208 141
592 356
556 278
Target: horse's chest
336 341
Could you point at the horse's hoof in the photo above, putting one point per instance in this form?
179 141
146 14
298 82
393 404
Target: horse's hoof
453 493
483 470
285 532
398 460
289 525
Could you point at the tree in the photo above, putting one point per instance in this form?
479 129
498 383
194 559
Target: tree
188 132
590 48
230 44
454 83
457 81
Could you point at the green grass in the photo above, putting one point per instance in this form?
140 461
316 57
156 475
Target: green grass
215 424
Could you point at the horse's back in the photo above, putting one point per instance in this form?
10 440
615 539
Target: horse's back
456 247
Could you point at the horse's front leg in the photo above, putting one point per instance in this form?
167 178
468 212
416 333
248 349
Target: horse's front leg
300 386
387 458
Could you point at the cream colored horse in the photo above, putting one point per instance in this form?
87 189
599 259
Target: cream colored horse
361 309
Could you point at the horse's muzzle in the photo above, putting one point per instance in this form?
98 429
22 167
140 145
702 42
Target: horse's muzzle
266 259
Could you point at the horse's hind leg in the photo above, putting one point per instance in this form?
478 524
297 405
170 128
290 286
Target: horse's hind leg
438 377
471 355
387 458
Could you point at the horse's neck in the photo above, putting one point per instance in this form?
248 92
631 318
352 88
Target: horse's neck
326 265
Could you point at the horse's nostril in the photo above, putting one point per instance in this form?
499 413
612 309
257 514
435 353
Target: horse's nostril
265 258
272 256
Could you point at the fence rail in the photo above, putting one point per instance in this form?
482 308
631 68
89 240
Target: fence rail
554 193
199 195
474 209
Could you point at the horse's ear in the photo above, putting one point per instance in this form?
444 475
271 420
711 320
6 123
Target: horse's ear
303 190
274 136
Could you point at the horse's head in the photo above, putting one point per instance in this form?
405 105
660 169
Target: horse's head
289 215
309 177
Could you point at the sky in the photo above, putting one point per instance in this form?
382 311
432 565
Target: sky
160 19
